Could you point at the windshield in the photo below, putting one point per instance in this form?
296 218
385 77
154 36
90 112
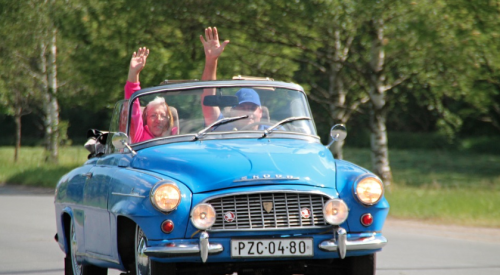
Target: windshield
201 112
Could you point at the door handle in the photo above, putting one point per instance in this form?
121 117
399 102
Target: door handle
88 175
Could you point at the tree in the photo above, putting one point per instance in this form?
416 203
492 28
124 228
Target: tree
33 47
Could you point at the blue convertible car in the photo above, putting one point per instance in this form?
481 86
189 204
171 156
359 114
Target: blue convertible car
252 193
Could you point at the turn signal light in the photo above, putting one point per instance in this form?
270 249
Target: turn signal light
167 226
367 219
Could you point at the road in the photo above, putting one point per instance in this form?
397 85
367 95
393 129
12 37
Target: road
27 245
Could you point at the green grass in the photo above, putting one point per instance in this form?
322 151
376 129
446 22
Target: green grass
432 185
31 168
437 169
459 206
441 187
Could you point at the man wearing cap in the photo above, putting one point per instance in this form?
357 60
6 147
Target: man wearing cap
248 99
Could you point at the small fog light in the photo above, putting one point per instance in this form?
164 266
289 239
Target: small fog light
203 216
367 219
167 226
335 211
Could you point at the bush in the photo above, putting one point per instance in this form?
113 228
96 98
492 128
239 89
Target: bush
484 144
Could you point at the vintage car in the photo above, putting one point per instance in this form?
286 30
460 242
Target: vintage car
220 198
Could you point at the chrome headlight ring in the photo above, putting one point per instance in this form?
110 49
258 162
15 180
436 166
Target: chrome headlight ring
165 196
368 189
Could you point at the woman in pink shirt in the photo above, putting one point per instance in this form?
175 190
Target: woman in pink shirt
156 120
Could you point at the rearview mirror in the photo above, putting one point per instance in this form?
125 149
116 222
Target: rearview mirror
220 100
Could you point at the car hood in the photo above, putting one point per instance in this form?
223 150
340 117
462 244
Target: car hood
214 164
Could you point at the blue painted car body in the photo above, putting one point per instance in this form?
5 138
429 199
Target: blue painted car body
113 191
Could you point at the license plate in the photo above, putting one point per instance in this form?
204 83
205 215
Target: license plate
255 248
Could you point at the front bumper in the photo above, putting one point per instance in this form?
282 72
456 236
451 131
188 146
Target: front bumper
341 244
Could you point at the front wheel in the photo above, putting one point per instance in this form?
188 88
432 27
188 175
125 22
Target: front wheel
71 266
143 264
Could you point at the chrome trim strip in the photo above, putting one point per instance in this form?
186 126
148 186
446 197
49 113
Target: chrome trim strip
181 249
376 241
135 195
271 229
269 191
266 179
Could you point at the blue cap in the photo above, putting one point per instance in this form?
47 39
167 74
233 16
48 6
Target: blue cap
248 95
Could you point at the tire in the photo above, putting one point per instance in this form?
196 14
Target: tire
143 264
71 266
361 265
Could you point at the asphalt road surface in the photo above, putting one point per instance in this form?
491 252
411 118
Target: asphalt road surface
27 245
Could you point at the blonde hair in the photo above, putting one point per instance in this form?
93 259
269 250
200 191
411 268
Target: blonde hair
159 101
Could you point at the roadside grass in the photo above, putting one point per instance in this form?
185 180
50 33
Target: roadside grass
31 168
441 186
457 206
435 186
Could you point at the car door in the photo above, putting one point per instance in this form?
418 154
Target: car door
97 229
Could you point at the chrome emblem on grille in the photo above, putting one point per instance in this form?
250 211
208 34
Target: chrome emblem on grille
229 216
305 213
268 206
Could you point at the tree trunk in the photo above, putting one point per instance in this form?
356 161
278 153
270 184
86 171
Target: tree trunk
51 104
337 91
378 113
379 145
17 119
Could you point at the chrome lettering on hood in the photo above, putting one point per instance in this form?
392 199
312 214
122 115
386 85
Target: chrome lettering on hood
267 177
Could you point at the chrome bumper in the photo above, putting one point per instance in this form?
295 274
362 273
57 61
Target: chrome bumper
340 243
203 249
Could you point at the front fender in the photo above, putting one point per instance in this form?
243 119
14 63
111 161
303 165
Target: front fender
62 223
347 174
130 197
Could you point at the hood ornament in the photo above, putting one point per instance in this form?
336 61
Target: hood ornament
268 206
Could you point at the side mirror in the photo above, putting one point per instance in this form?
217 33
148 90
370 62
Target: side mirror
119 141
338 133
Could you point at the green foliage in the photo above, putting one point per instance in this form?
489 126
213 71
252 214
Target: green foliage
446 53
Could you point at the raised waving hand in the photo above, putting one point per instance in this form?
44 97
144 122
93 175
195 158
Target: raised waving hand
213 48
137 63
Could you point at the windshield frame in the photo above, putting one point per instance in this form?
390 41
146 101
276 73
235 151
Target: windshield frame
178 87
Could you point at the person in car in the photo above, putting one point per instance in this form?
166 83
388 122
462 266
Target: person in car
156 120
248 99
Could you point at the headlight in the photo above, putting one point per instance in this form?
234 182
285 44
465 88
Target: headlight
335 211
203 216
166 197
369 190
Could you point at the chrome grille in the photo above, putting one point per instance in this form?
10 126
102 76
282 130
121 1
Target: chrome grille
285 214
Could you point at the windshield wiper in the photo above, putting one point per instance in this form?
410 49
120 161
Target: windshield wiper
221 121
286 120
